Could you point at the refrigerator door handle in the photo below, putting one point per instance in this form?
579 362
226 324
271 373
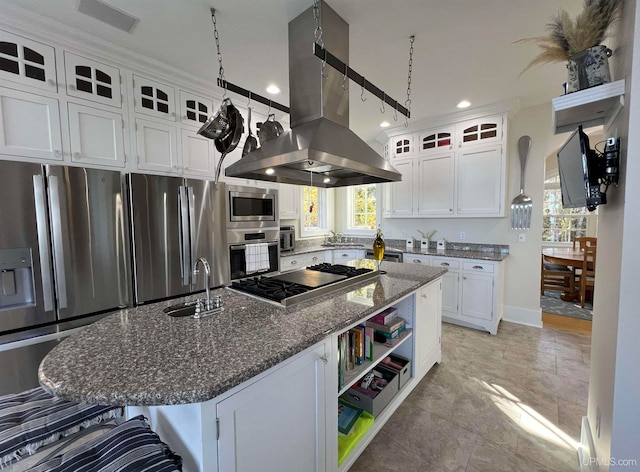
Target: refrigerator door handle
185 251
192 233
58 250
43 241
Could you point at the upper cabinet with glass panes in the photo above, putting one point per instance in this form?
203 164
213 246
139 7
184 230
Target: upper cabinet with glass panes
154 98
194 110
27 62
436 141
486 130
402 146
92 80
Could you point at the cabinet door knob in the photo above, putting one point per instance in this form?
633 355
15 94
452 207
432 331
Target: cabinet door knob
324 358
345 255
294 262
77 155
478 267
52 82
72 87
445 264
315 258
417 261
57 153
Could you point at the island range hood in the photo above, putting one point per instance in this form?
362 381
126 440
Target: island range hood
319 149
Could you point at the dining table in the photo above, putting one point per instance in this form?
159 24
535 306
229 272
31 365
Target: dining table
570 257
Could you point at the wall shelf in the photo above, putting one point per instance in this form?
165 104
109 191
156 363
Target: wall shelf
590 107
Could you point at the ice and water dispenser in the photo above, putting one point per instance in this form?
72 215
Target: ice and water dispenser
16 278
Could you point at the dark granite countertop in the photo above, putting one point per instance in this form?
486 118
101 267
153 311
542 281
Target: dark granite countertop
141 356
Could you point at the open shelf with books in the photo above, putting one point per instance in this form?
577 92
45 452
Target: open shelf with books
381 351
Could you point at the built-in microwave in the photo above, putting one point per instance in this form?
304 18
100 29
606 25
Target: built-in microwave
251 207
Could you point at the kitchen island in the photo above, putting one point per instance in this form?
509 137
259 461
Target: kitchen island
194 378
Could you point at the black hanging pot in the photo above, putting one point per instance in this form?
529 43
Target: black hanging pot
270 129
229 141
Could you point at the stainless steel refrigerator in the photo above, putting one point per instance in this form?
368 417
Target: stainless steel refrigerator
64 248
64 258
175 221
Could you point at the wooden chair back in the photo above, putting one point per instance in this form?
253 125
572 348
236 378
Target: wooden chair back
582 242
588 274
555 277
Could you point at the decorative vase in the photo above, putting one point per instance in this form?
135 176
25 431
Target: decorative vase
588 68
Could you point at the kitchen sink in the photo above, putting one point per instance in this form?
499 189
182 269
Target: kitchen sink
183 309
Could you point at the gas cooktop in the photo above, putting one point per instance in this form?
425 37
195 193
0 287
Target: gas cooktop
295 287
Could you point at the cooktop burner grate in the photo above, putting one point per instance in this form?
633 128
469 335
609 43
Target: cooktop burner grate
283 292
339 269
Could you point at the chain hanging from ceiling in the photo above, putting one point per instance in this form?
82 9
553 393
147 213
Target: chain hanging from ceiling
407 102
228 86
348 73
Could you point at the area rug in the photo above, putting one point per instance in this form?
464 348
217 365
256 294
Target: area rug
550 302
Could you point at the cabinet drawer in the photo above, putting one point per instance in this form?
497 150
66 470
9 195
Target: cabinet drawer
448 263
415 259
292 263
347 255
479 267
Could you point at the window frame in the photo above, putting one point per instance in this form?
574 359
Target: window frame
323 216
553 183
349 214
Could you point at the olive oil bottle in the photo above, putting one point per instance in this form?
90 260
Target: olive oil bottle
378 247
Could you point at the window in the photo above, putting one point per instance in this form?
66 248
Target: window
314 209
562 225
362 207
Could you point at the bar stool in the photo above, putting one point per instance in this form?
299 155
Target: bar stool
35 418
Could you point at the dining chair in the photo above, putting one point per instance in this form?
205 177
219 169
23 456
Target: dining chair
582 242
588 273
555 277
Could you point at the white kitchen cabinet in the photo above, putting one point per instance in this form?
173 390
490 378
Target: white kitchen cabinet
472 290
289 201
436 185
278 422
153 98
481 131
27 62
457 171
403 146
194 110
198 158
96 136
92 80
399 195
436 141
410 258
428 326
480 189
29 125
156 145
300 261
450 283
343 255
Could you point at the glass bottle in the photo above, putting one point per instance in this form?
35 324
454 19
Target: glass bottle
378 247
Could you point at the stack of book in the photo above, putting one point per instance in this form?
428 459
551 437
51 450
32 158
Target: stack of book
354 347
387 326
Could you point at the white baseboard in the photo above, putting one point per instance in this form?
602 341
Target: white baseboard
586 451
523 316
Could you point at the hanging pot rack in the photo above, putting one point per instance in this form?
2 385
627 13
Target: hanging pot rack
254 97
343 68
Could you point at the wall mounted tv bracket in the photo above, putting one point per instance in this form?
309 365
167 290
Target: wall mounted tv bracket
610 170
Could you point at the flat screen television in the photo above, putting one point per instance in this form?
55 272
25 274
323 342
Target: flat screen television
580 173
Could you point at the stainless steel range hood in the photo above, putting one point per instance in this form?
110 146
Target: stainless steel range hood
319 149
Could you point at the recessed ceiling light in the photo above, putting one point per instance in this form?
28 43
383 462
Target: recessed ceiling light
108 14
326 180
385 124
269 171
273 89
464 104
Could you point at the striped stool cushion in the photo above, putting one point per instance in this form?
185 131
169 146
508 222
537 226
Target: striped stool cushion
129 447
35 418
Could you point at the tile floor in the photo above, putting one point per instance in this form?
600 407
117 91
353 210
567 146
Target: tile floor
511 402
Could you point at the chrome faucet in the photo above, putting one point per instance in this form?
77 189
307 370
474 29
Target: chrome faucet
208 303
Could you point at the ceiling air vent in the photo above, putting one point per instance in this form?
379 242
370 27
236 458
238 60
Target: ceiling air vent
108 14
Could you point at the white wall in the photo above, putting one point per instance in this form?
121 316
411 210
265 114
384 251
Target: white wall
614 390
